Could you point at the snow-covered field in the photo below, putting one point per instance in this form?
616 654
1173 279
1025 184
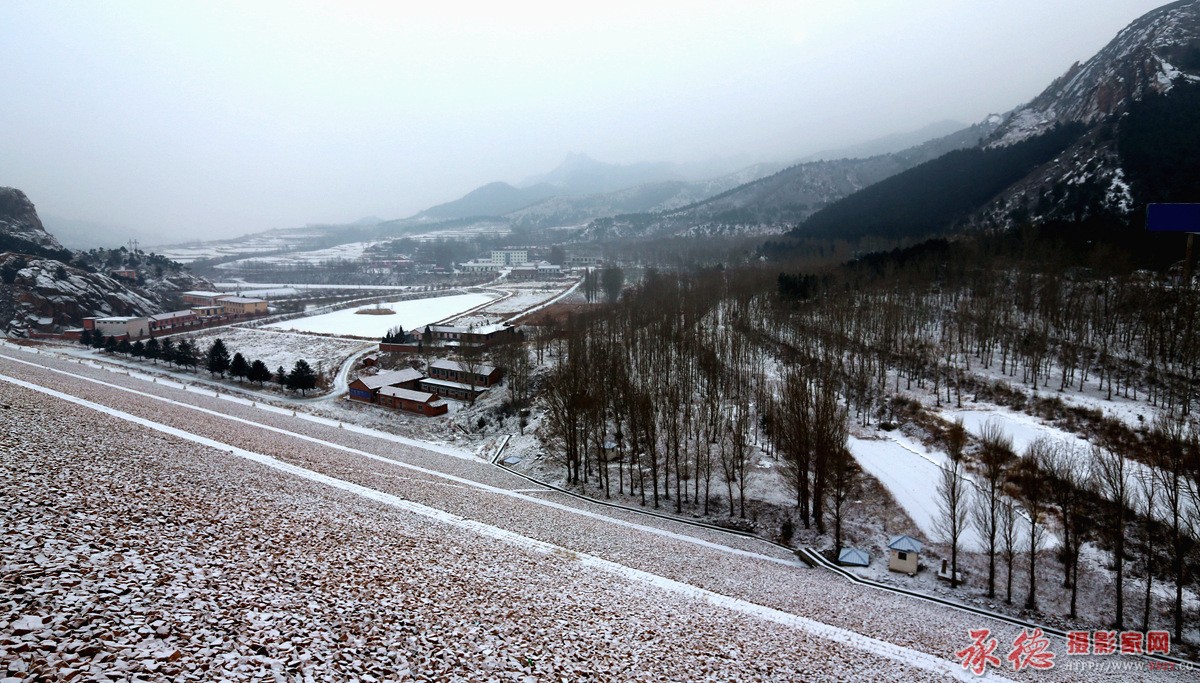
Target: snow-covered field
408 314
279 348
343 252
275 241
239 285
525 297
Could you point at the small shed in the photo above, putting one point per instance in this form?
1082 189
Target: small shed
854 557
905 553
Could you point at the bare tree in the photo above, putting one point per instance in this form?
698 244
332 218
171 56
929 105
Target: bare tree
1147 498
1033 495
1071 487
843 482
1112 474
1008 544
470 361
1169 460
953 495
994 456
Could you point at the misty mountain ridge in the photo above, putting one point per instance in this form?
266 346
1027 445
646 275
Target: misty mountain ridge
889 144
779 201
582 188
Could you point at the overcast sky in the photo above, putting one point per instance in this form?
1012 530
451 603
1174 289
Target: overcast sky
211 119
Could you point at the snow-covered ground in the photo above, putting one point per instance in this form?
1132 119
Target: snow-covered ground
279 348
1025 429
179 508
235 285
408 314
527 295
343 252
911 473
171 523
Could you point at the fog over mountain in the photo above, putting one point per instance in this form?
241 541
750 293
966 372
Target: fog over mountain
183 120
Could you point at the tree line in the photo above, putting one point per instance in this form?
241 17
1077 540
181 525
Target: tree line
216 359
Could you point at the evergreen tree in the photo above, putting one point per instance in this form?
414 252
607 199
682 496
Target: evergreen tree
259 372
302 377
281 377
85 338
138 349
153 350
97 340
217 360
110 344
167 353
124 346
238 367
185 355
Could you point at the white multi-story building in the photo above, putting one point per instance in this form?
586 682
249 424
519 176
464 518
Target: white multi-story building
510 257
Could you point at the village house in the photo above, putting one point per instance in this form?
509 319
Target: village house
451 370
173 321
201 298
366 389
208 313
424 403
131 328
456 335
509 257
240 305
450 378
451 389
535 270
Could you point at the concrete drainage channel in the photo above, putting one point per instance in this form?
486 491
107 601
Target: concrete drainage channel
815 560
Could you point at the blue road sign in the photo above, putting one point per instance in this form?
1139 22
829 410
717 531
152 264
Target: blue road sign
1173 218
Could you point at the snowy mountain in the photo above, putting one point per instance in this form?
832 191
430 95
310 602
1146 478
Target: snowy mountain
648 198
1110 135
1145 57
493 199
1153 56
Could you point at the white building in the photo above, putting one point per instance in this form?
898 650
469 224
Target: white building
510 257
124 326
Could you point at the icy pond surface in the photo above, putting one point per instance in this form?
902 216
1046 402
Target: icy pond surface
409 314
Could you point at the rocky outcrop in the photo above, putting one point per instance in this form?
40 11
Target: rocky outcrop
1145 57
20 228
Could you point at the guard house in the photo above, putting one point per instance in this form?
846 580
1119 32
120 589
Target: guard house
905 554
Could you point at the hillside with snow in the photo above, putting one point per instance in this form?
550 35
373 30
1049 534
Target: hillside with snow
48 288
